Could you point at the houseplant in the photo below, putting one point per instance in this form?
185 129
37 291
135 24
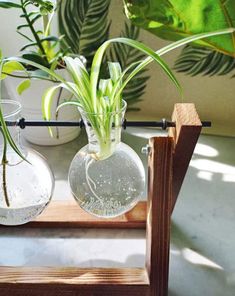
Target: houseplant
44 49
175 19
100 103
79 19
26 186
208 57
213 58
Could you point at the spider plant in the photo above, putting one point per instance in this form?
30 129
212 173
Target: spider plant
85 25
98 96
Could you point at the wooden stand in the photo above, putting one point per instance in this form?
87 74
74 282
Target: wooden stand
168 162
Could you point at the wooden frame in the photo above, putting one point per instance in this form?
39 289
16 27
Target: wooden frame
167 164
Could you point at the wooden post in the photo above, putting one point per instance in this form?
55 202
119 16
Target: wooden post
185 135
168 162
158 214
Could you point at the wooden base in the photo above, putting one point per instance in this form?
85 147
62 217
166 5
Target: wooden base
49 281
167 165
69 214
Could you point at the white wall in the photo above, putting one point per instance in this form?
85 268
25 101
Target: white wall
214 97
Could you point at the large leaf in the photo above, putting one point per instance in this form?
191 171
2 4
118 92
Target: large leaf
176 19
199 60
84 24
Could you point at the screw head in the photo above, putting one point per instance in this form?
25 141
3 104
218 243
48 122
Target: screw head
146 150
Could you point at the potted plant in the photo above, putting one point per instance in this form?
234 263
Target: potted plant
94 16
26 83
106 177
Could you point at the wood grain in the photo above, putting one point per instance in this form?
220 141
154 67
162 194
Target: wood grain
69 215
159 213
185 135
73 281
168 163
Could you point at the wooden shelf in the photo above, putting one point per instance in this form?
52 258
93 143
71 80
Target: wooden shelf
167 165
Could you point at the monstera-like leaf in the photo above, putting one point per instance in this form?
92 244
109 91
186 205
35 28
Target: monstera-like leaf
176 19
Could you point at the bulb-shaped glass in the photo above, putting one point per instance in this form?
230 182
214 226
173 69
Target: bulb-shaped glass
107 177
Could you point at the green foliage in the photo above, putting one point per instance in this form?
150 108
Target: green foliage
126 55
25 84
9 4
10 67
177 19
200 60
41 46
97 96
45 6
84 25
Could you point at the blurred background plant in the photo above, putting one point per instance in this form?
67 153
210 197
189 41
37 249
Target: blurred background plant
176 19
199 60
41 46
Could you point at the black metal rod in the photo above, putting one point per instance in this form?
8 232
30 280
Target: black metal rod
164 124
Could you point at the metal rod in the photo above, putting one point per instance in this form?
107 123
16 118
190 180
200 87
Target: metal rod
164 124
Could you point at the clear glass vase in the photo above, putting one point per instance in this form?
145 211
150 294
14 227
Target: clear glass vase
107 177
26 187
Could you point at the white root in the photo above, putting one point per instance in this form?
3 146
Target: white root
90 182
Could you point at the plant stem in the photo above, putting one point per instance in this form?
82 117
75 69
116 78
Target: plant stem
37 39
29 77
57 113
4 163
4 183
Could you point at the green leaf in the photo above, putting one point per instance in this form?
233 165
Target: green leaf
177 19
69 103
6 134
25 36
47 100
22 26
35 57
96 102
9 4
84 24
50 38
35 18
10 67
199 60
25 84
96 64
45 6
126 55
81 78
28 45
170 47
115 71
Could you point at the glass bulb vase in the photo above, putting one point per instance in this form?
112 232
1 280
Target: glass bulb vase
107 177
26 187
